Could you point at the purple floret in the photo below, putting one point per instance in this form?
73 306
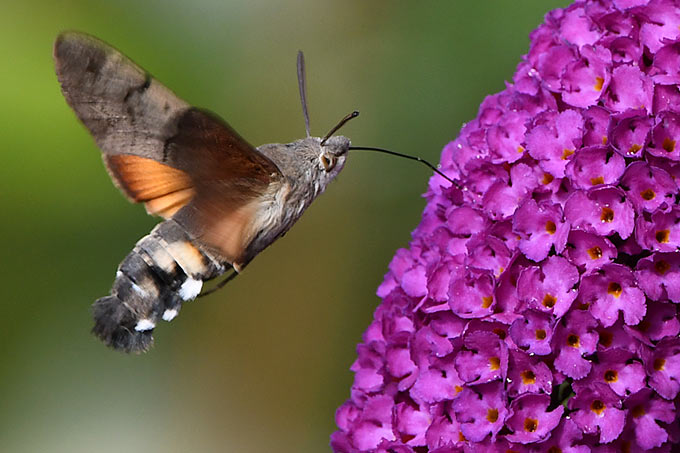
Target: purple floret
531 421
646 410
597 410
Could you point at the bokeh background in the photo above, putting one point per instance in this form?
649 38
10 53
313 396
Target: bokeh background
261 365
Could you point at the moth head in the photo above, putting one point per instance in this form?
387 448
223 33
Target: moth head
332 154
333 148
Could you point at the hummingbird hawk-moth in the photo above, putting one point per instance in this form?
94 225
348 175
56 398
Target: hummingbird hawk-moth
222 200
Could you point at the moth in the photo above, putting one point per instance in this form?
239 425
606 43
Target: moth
222 200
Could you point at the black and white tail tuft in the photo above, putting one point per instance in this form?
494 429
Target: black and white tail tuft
162 271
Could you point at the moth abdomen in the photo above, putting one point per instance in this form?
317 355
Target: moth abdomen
162 271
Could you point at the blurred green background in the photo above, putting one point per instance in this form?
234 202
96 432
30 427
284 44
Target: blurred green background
261 365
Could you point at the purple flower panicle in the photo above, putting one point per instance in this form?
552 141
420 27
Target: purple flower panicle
536 308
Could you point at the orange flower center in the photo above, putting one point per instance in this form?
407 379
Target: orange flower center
530 425
598 407
549 301
550 227
614 289
607 215
487 301
573 341
659 364
661 267
528 377
668 144
662 236
648 194
500 332
494 363
492 415
611 376
547 178
599 81
595 253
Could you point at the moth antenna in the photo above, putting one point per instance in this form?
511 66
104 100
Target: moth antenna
405 156
220 285
342 122
302 85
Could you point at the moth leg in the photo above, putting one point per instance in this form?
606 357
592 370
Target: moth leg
221 284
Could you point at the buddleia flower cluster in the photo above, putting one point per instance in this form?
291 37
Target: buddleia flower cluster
536 307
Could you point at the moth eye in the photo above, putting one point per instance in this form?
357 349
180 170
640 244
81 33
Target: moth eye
327 161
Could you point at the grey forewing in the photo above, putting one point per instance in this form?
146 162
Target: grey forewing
125 109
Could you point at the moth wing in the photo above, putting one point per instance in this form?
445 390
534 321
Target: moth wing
233 181
129 114
162 189
126 110
159 150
